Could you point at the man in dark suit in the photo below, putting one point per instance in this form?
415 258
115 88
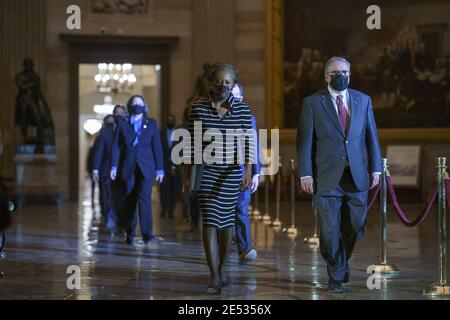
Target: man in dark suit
89 167
171 186
338 161
111 197
118 186
6 208
101 163
190 201
142 160
101 166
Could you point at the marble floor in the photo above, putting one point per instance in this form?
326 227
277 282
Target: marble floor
46 241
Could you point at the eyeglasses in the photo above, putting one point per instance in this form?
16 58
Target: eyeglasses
335 73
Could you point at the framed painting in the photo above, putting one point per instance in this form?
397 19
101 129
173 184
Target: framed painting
404 165
404 66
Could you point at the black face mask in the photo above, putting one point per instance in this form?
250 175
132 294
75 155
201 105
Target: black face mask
136 109
339 82
222 92
171 125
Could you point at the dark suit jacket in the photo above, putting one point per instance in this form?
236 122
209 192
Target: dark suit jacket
102 151
323 147
166 150
147 154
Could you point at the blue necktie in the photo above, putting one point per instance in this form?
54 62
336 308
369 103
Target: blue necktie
136 125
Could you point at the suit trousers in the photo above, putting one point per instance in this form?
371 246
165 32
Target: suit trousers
139 196
119 196
105 195
343 212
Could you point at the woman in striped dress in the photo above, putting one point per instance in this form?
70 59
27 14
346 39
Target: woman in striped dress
220 116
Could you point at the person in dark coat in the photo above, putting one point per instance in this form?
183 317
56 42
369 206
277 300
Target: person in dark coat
139 142
101 166
171 185
6 208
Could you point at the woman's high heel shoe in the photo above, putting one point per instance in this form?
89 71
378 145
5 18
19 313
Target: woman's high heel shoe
214 289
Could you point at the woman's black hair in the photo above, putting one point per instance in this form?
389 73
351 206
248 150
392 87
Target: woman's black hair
108 116
223 67
130 101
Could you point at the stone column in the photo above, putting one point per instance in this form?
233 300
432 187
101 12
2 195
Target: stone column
213 32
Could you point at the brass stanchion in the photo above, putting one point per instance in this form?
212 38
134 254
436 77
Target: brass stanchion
441 288
256 213
314 239
266 217
292 230
383 267
277 223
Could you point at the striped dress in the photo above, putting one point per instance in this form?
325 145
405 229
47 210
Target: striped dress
222 174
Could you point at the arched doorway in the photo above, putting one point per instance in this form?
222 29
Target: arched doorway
92 49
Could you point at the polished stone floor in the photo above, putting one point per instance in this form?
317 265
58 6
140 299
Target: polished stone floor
45 241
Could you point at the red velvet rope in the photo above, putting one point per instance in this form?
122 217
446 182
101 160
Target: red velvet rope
425 211
403 218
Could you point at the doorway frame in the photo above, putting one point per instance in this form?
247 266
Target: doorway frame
93 49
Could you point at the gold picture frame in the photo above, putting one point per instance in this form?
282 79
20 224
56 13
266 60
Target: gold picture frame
275 95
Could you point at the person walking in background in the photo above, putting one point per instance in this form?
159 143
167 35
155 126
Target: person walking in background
118 186
6 208
89 169
339 160
190 201
222 176
1 144
139 141
101 164
171 185
243 228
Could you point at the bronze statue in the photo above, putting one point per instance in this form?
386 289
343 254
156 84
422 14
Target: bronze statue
31 108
